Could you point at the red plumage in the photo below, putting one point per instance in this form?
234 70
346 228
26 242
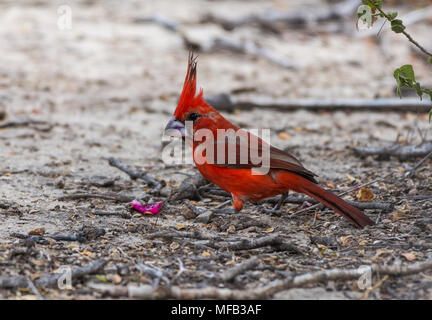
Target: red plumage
285 171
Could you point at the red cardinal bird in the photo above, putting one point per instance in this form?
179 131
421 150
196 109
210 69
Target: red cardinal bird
285 172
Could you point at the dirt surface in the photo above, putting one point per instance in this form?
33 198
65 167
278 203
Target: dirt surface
107 87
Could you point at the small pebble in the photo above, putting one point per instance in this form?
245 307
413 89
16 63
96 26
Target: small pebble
204 217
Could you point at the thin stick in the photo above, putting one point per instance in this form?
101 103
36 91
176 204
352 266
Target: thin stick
231 273
414 169
133 174
261 292
77 196
406 34
227 102
14 124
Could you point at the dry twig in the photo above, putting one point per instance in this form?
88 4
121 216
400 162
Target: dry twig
231 103
133 174
231 273
402 152
262 292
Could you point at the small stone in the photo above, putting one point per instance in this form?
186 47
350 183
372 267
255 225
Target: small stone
60 182
187 213
413 192
204 217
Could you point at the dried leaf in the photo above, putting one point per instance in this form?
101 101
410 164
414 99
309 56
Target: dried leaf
330 185
181 226
350 177
231 228
398 216
284 136
87 253
116 279
37 232
410 256
174 245
365 194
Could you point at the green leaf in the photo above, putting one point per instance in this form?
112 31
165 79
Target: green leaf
407 72
397 26
101 278
430 115
430 60
396 75
405 78
392 15
419 90
377 3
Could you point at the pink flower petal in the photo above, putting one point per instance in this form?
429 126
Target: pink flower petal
144 208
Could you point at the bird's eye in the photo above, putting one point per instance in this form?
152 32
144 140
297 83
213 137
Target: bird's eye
193 116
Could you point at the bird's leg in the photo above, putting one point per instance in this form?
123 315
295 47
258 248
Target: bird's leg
281 201
276 209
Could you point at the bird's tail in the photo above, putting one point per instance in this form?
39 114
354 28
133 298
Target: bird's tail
355 216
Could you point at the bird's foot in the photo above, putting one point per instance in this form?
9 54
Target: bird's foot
274 211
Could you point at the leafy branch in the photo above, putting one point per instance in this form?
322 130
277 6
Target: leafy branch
405 76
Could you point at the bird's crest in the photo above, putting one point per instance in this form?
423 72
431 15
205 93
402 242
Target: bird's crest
188 96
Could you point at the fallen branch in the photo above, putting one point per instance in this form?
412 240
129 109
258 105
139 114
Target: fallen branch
402 152
262 292
421 246
133 174
105 196
248 244
26 123
210 45
13 282
248 48
189 188
412 172
194 209
233 272
124 215
51 280
231 103
169 234
271 19
87 234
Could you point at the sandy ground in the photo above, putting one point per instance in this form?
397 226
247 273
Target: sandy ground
107 87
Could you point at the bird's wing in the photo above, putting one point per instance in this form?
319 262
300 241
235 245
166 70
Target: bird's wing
252 156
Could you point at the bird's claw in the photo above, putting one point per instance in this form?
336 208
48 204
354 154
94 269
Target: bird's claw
275 211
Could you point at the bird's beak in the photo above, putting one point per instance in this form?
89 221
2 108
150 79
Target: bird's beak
175 128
